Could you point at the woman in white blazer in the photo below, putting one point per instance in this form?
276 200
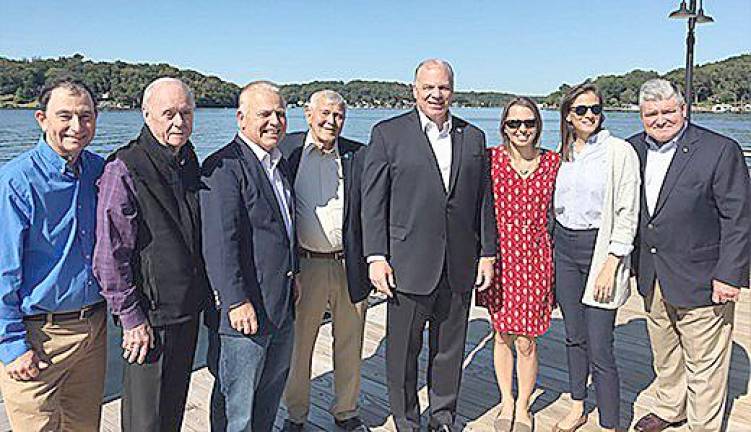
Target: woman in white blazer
596 204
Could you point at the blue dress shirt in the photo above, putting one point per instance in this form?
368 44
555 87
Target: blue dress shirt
48 214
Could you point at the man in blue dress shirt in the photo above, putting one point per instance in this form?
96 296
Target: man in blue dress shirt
52 318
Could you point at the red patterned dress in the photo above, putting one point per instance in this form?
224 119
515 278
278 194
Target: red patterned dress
520 299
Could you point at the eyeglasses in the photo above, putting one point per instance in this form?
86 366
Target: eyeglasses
580 110
516 124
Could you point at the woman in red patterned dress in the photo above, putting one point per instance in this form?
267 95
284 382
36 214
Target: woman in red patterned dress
520 298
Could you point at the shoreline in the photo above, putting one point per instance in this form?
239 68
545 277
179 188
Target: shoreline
694 109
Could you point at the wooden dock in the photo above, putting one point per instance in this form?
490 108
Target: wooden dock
479 397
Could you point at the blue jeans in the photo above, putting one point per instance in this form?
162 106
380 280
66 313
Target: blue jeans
250 373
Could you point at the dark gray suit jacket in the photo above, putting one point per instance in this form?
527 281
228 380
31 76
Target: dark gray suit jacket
352 154
245 243
701 226
410 218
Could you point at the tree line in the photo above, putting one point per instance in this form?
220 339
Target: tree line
726 81
120 85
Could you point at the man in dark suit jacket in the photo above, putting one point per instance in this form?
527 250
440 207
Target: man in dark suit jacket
326 169
250 252
429 235
692 256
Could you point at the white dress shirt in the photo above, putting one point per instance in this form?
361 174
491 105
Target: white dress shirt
580 185
440 141
319 194
659 158
270 163
580 189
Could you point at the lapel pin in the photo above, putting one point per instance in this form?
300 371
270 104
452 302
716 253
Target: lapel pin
685 149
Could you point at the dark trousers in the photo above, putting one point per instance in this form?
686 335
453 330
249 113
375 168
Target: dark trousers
589 330
447 313
154 392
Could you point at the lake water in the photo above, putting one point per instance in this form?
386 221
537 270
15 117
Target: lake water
215 127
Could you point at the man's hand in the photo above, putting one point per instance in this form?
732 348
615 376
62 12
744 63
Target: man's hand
723 293
606 279
137 342
382 277
26 367
243 318
484 273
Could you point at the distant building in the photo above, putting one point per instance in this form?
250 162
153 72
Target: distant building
721 108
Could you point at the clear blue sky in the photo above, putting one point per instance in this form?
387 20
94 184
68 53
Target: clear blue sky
526 47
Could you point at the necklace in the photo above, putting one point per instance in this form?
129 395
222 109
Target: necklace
526 168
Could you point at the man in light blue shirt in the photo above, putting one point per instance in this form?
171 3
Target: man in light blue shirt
52 318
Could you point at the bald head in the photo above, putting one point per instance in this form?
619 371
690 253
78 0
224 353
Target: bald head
168 107
436 63
159 83
434 89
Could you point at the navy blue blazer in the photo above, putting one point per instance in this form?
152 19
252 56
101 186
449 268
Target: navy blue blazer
248 254
352 155
701 226
408 215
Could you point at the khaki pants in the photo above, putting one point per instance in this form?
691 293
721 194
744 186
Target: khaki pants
324 281
691 348
67 396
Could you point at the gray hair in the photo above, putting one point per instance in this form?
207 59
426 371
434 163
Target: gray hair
436 62
148 93
658 89
257 86
329 96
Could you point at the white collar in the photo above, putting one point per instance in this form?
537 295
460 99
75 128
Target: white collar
599 137
426 123
270 159
311 144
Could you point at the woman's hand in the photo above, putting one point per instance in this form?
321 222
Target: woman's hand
606 279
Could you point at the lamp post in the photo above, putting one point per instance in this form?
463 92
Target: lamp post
694 17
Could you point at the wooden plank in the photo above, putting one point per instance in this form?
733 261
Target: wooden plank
479 397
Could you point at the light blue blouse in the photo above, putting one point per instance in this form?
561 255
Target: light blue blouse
580 189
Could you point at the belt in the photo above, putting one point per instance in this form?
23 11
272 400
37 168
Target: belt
338 255
52 317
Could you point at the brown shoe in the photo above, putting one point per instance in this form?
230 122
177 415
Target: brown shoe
579 423
652 423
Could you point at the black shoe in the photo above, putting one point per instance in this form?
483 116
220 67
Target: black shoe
290 426
440 428
352 424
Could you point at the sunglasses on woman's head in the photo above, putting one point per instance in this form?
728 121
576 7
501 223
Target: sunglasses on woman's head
580 110
516 124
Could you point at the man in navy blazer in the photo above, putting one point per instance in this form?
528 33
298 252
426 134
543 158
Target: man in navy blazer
692 257
250 251
326 169
429 235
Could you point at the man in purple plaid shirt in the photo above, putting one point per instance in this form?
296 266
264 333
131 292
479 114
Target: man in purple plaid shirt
148 257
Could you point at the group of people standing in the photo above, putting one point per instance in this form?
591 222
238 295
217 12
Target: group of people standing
672 205
273 229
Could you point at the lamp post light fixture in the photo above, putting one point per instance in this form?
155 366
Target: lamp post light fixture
694 17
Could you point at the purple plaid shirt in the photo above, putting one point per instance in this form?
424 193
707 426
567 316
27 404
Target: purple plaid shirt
115 242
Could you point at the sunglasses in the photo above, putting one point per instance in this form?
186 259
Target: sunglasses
580 110
516 124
